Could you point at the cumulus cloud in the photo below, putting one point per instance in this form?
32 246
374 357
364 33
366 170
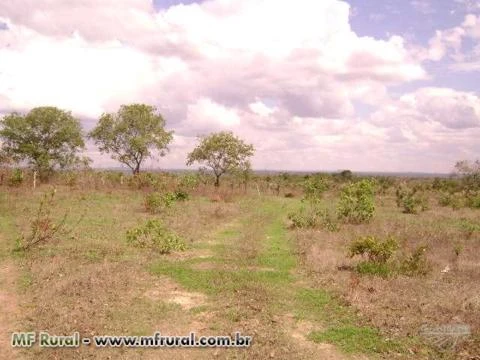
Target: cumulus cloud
287 76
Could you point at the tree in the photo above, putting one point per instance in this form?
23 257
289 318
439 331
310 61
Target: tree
132 134
47 138
469 173
222 152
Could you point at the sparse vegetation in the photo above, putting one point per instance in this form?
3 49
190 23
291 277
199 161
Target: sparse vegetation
43 227
357 203
155 236
411 200
243 266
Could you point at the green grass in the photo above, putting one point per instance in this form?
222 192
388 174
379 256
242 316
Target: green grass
374 268
277 253
283 293
355 339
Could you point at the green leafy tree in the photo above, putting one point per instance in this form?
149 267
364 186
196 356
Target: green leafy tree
132 134
46 138
222 152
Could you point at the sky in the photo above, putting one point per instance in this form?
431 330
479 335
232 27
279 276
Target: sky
365 85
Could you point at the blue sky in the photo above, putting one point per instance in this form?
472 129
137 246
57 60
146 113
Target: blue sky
372 85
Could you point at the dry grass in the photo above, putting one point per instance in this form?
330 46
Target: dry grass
239 272
400 305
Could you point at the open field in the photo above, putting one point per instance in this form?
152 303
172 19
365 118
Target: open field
245 268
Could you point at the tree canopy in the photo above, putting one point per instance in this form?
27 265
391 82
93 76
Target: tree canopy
132 134
222 152
46 138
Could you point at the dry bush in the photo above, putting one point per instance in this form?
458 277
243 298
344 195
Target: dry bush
43 228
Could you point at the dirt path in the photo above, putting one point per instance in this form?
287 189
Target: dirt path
253 286
8 308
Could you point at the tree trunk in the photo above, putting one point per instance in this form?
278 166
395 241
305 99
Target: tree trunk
217 180
136 170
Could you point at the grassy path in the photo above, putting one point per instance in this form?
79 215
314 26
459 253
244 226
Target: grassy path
255 286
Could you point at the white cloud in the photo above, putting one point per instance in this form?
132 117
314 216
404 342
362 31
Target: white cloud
284 75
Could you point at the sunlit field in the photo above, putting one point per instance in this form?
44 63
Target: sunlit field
310 266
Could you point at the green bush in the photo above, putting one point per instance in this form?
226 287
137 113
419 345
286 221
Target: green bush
447 185
373 249
473 201
379 258
155 236
384 183
16 178
468 227
313 217
314 187
156 202
454 200
415 263
181 195
357 202
189 182
411 200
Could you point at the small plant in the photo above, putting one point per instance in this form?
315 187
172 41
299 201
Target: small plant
357 202
189 182
473 200
411 200
452 200
313 217
384 183
155 236
16 178
416 263
469 228
157 202
371 268
373 249
43 228
313 188
181 195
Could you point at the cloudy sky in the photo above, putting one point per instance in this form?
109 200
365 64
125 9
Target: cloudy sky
372 85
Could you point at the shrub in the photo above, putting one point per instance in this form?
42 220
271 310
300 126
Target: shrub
313 217
156 202
304 218
43 228
357 202
155 236
145 181
16 178
415 263
448 185
469 228
313 188
453 200
473 201
378 257
181 195
189 182
373 249
411 200
385 183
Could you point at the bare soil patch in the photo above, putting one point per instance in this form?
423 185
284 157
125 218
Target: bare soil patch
9 309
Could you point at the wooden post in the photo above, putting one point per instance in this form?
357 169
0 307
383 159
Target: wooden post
34 179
